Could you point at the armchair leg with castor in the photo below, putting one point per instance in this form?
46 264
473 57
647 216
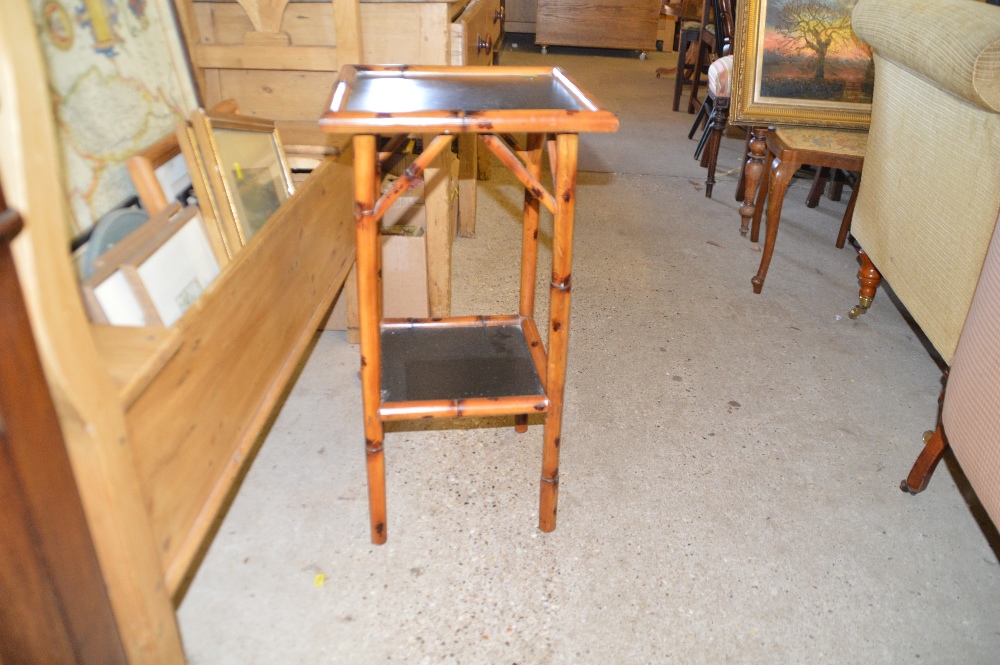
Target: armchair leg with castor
932 453
869 277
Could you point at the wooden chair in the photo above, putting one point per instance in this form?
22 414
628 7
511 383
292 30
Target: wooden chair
716 104
710 46
788 149
688 30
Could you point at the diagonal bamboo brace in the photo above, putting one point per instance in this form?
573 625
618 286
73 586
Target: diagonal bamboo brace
431 151
511 161
392 147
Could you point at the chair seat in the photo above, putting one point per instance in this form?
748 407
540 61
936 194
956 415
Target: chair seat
720 77
838 142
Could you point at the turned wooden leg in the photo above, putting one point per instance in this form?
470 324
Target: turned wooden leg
819 184
780 177
845 225
869 277
920 474
741 184
753 171
720 115
758 208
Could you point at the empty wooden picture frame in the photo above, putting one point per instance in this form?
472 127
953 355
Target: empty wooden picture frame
155 283
246 168
159 174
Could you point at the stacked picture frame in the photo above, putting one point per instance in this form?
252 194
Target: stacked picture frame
236 169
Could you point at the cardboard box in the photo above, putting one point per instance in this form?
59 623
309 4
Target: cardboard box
404 251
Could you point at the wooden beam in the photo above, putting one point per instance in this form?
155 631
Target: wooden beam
283 58
347 24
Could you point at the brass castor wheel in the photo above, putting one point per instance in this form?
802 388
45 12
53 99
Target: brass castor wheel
905 487
545 50
864 302
642 55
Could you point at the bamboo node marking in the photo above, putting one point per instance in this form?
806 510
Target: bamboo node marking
556 326
554 480
561 285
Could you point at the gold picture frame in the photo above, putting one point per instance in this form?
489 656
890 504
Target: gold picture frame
773 64
207 202
246 168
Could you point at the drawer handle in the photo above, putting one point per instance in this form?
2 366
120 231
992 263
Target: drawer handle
484 44
498 15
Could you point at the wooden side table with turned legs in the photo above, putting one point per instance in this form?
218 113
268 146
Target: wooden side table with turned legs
787 149
473 366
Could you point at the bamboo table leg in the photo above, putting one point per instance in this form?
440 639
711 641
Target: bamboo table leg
369 248
529 243
780 176
559 298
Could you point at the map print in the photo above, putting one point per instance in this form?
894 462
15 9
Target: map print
119 82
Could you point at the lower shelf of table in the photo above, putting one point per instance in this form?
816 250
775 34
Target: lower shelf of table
458 367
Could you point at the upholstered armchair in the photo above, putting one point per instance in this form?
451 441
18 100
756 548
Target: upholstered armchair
931 193
929 207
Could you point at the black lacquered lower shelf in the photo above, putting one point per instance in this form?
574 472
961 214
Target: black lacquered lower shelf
472 366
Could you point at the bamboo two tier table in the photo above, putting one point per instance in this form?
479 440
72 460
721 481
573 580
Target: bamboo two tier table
465 366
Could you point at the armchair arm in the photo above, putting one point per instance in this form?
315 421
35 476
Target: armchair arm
954 43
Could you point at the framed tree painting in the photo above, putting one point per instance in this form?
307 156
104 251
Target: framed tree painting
798 62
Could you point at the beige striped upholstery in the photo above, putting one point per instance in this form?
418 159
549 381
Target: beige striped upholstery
931 194
971 415
953 43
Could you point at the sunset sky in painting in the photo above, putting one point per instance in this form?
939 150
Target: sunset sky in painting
773 40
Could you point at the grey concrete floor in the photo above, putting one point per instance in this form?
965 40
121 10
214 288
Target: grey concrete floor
730 461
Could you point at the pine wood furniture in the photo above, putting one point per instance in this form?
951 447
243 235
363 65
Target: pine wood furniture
159 424
480 365
278 59
788 149
617 24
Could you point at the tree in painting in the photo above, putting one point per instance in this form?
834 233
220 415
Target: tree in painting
810 52
811 25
